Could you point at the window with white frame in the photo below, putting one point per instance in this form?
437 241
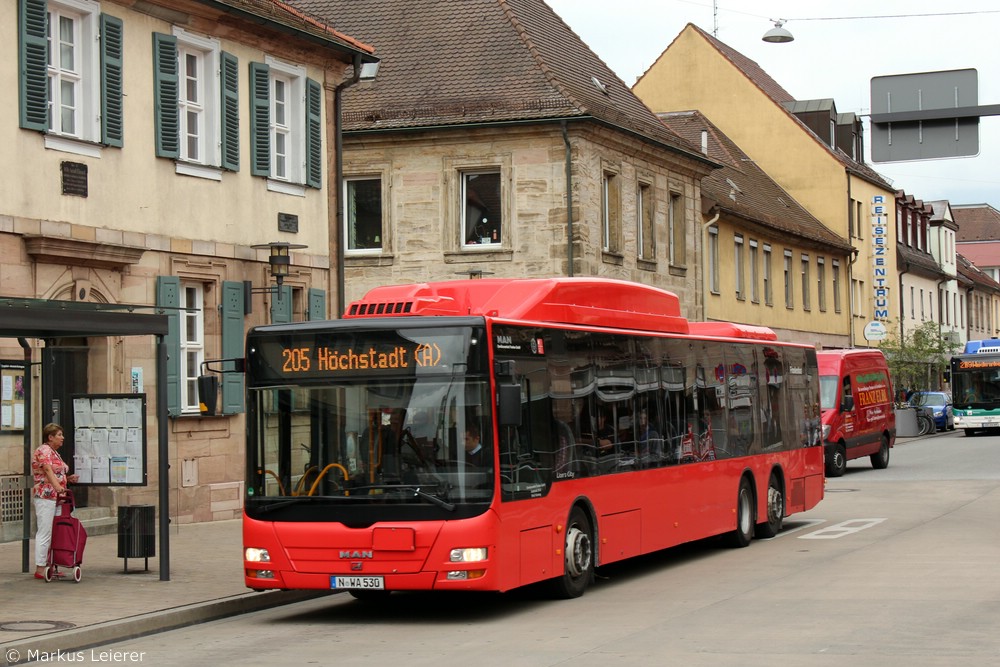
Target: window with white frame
740 276
754 272
198 98
192 335
363 213
287 127
713 259
69 73
73 69
482 208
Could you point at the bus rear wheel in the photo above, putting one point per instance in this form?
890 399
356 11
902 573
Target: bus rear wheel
578 553
775 510
745 517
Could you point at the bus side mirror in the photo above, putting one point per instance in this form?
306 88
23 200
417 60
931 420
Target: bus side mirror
208 394
509 405
848 404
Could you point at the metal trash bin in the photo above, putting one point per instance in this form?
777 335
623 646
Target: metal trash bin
136 532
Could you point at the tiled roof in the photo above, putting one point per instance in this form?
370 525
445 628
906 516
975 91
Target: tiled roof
783 98
976 222
743 189
917 261
968 270
480 61
281 13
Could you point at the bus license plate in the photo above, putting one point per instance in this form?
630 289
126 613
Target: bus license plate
369 583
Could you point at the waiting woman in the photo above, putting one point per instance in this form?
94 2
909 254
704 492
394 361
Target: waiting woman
51 477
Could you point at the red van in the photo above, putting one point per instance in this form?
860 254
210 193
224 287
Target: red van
858 415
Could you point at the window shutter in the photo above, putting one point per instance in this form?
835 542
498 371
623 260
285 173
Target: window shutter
232 346
32 55
314 134
165 96
168 296
317 304
230 112
281 309
112 116
260 119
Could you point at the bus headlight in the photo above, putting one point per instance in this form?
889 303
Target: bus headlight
476 555
826 431
255 555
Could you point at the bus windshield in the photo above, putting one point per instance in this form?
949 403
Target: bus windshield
360 417
976 382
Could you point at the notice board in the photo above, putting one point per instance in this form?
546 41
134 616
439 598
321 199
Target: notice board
109 439
12 396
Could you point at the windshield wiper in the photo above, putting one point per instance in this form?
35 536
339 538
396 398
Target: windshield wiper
278 504
417 493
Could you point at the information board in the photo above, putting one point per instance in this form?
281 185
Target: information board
109 439
12 396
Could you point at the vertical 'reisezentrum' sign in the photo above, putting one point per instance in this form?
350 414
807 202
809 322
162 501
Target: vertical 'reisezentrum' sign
880 254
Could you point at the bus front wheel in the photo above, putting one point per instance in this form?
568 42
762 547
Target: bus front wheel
578 556
745 517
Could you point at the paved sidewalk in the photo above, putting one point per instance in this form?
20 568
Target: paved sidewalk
109 605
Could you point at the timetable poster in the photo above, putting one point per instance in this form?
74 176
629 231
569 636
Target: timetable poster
109 437
12 389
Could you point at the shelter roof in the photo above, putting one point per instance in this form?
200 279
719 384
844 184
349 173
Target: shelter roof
48 318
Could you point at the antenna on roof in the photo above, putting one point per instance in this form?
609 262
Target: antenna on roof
600 86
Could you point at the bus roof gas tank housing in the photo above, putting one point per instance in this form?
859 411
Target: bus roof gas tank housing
987 346
600 302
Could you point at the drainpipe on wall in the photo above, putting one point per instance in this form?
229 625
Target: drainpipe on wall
338 179
902 313
569 199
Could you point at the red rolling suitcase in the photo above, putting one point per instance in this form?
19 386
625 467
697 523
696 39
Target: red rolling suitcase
68 540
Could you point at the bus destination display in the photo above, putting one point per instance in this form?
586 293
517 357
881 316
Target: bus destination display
283 357
304 359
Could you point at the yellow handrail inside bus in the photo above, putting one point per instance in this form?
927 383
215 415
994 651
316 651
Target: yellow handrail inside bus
302 480
343 470
281 487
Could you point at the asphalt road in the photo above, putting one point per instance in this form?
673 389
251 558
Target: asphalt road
895 567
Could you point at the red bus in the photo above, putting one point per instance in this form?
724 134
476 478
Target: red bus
489 434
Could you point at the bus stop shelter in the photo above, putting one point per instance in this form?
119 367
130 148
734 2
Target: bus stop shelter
49 320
